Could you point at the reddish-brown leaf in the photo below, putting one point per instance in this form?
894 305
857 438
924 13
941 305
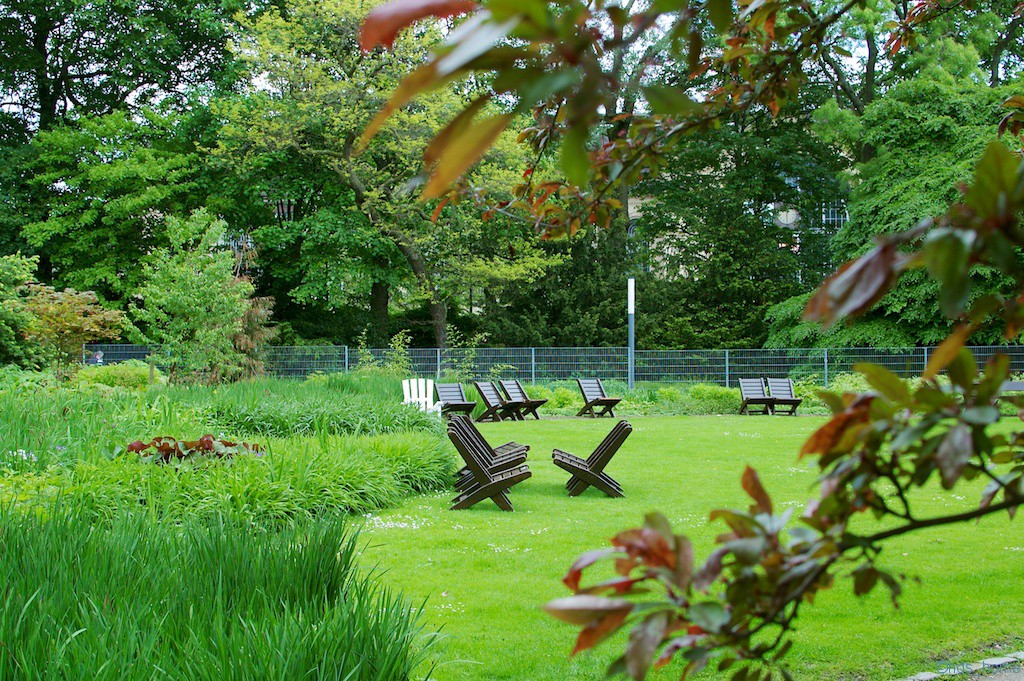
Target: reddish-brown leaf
586 609
825 439
752 486
599 630
138 446
647 545
384 22
572 578
856 286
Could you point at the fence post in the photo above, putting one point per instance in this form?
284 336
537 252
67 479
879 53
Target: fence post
826 367
533 365
438 365
346 359
726 368
925 348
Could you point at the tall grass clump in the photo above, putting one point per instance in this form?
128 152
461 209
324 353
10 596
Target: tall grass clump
210 599
281 418
297 478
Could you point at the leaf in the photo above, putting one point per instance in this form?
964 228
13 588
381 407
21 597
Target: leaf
752 486
953 453
963 370
384 22
599 630
946 352
864 580
720 13
463 151
586 609
884 381
857 285
710 571
472 39
644 640
420 80
575 160
572 578
665 99
455 127
825 440
708 615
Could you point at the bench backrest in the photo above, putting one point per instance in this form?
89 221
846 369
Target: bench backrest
464 425
781 388
489 393
609 445
419 392
514 390
752 387
1012 385
469 452
591 389
451 392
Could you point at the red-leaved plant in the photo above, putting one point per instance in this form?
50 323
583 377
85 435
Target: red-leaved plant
164 449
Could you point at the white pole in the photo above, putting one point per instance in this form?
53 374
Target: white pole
631 311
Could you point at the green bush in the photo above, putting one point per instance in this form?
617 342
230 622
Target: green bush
705 398
138 599
132 374
15 380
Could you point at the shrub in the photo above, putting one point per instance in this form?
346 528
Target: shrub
705 398
132 374
15 380
134 599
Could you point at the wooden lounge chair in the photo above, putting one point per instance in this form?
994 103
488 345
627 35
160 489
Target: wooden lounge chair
495 459
753 394
453 399
514 391
781 390
594 397
498 408
591 471
419 392
483 482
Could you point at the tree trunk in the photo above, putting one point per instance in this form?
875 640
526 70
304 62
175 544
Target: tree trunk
439 318
380 296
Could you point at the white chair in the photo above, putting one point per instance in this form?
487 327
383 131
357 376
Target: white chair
420 393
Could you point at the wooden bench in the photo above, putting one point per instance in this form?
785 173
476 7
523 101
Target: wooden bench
514 391
452 397
590 472
483 481
496 459
419 392
1010 386
781 390
595 397
753 394
497 407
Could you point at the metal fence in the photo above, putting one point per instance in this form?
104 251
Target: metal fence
547 364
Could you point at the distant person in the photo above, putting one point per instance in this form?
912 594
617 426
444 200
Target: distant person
97 358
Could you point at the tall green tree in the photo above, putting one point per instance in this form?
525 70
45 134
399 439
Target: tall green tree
108 183
313 91
924 133
85 57
734 223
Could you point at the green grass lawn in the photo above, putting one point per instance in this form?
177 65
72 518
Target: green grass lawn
485 573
